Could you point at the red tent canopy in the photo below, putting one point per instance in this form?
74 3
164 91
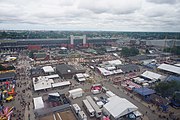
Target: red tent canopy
6 83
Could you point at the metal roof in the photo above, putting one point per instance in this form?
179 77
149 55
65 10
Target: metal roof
169 68
65 69
144 91
7 75
151 75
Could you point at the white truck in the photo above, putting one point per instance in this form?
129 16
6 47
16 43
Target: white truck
82 115
75 93
76 108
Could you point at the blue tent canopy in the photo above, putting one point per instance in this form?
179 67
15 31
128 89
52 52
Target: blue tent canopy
152 66
7 76
144 91
173 78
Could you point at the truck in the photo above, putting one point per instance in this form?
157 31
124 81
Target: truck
76 108
75 93
82 115
98 111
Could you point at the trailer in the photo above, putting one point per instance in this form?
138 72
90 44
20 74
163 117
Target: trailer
75 93
82 115
76 108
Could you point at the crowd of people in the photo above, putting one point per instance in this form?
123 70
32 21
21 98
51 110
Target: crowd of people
23 92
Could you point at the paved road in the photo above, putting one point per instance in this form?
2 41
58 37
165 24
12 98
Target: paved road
22 99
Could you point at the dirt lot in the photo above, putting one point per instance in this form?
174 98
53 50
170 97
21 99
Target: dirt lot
67 115
48 117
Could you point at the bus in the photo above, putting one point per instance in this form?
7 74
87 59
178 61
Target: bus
98 111
88 108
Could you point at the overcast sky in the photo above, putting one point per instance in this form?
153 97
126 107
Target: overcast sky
118 15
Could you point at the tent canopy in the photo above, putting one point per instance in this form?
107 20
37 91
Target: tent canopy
170 68
38 103
48 69
173 78
119 107
144 91
42 83
151 75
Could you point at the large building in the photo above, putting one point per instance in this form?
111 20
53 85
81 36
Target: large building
72 41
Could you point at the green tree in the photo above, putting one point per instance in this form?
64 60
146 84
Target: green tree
2 68
6 68
167 89
10 68
175 50
134 51
126 52
31 53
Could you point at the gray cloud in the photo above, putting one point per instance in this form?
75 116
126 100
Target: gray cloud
124 15
109 6
163 1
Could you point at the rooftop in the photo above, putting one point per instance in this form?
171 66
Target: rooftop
119 107
128 67
38 103
144 91
65 69
141 57
7 75
48 69
170 68
42 83
151 75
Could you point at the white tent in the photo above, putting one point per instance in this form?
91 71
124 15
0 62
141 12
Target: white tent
38 103
42 83
151 75
86 75
48 69
118 107
63 48
80 77
104 71
137 113
110 94
52 76
170 68
145 62
114 62
110 68
54 94
117 71
60 84
138 80
178 64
